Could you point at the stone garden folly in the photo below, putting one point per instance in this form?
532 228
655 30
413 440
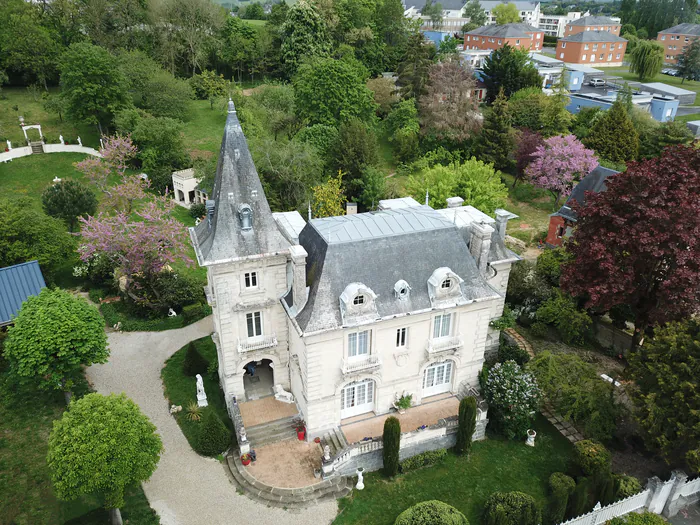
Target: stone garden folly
347 312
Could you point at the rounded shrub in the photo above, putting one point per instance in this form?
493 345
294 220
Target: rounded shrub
561 487
592 458
467 425
194 363
645 518
198 210
627 486
539 330
392 445
214 438
511 352
511 508
431 512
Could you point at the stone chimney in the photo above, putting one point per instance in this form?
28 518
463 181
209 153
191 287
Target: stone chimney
454 202
299 293
502 218
480 244
350 208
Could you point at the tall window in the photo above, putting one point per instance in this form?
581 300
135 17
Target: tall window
401 337
441 326
251 280
358 343
254 323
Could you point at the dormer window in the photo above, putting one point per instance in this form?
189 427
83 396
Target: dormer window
359 299
446 284
401 289
245 214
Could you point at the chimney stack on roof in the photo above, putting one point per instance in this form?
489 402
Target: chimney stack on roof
502 218
454 202
480 244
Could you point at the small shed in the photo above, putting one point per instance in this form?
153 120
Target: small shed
17 284
684 96
694 126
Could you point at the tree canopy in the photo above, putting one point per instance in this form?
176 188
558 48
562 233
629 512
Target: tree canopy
688 65
68 200
614 136
509 69
475 13
506 13
646 59
304 35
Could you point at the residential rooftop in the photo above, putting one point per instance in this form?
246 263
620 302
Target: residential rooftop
516 30
593 36
17 284
594 21
683 29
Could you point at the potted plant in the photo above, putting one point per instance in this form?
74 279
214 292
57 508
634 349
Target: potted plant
404 402
300 426
245 459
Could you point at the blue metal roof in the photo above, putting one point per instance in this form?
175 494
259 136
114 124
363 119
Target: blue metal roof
17 283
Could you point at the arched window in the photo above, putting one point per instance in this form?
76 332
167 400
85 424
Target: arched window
246 215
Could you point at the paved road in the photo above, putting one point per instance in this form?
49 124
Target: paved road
687 516
186 489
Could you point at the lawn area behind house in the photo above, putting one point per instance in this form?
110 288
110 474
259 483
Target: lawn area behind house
533 206
494 465
182 390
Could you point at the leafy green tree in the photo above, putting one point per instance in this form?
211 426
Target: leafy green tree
239 40
509 69
497 139
646 59
27 234
68 200
666 371
304 35
372 187
584 121
321 136
329 91
102 444
506 13
614 137
385 94
467 425
209 86
52 104
92 85
355 150
688 65
253 11
475 13
54 336
545 114
329 198
628 29
402 126
415 65
392 444
670 133
431 512
434 12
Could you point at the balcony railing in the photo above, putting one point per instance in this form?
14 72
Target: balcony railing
361 364
256 343
444 344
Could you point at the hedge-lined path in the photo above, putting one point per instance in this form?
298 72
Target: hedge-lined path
186 489
565 427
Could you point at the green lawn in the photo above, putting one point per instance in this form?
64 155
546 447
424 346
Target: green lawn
532 206
204 129
181 389
688 118
494 465
690 85
26 418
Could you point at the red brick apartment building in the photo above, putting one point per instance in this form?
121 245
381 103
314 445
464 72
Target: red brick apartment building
593 23
676 38
492 37
592 47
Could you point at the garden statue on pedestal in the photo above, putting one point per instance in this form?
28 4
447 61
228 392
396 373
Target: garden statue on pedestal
360 481
80 142
60 138
201 394
9 146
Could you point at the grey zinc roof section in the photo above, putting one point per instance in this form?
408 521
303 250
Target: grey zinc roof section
237 182
594 21
379 260
594 181
666 88
17 284
683 29
517 30
593 36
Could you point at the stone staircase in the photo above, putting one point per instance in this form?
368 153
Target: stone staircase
326 490
37 147
335 439
271 432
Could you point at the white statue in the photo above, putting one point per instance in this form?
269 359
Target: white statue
360 481
9 146
171 312
326 453
197 221
80 142
282 395
530 438
63 142
56 180
102 144
201 394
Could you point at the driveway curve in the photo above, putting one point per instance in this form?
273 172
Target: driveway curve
186 489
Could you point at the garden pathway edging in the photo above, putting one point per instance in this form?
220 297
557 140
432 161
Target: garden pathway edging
562 425
186 489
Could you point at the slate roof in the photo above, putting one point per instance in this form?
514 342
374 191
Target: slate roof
594 21
593 36
683 29
517 30
17 283
594 181
488 5
221 236
378 249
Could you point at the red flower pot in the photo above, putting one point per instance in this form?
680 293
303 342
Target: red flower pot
245 460
301 434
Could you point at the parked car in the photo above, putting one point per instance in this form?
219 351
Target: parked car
596 82
670 71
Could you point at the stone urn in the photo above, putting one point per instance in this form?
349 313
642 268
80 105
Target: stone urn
531 434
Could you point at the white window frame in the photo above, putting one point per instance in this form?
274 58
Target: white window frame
563 45
359 344
358 300
561 55
446 283
250 280
584 57
402 337
585 47
442 325
254 324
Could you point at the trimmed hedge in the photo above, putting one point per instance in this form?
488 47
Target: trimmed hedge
511 352
194 363
213 437
425 459
431 512
579 502
592 457
114 315
561 487
511 508
392 445
627 486
467 425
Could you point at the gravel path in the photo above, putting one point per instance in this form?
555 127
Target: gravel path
186 489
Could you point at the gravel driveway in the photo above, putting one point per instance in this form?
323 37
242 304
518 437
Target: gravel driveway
186 489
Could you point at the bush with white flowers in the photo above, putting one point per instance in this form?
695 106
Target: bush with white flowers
513 397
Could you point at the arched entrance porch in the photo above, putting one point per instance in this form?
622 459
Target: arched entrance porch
258 379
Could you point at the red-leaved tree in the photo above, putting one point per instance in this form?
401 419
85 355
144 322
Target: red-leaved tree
528 142
638 242
558 163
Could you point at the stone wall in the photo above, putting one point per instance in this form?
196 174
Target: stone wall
611 337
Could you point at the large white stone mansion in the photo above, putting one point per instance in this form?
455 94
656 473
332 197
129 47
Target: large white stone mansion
348 311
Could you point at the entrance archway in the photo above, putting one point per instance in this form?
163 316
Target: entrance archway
258 379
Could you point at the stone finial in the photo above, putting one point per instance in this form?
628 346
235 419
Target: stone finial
231 107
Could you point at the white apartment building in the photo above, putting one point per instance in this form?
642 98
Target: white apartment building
348 311
554 25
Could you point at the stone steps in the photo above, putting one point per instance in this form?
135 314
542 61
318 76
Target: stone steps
272 432
37 147
326 490
335 439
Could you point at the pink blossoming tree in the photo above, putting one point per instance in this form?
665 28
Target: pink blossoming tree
558 163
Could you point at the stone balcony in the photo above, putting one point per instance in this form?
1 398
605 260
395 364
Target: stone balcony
257 343
444 345
361 365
